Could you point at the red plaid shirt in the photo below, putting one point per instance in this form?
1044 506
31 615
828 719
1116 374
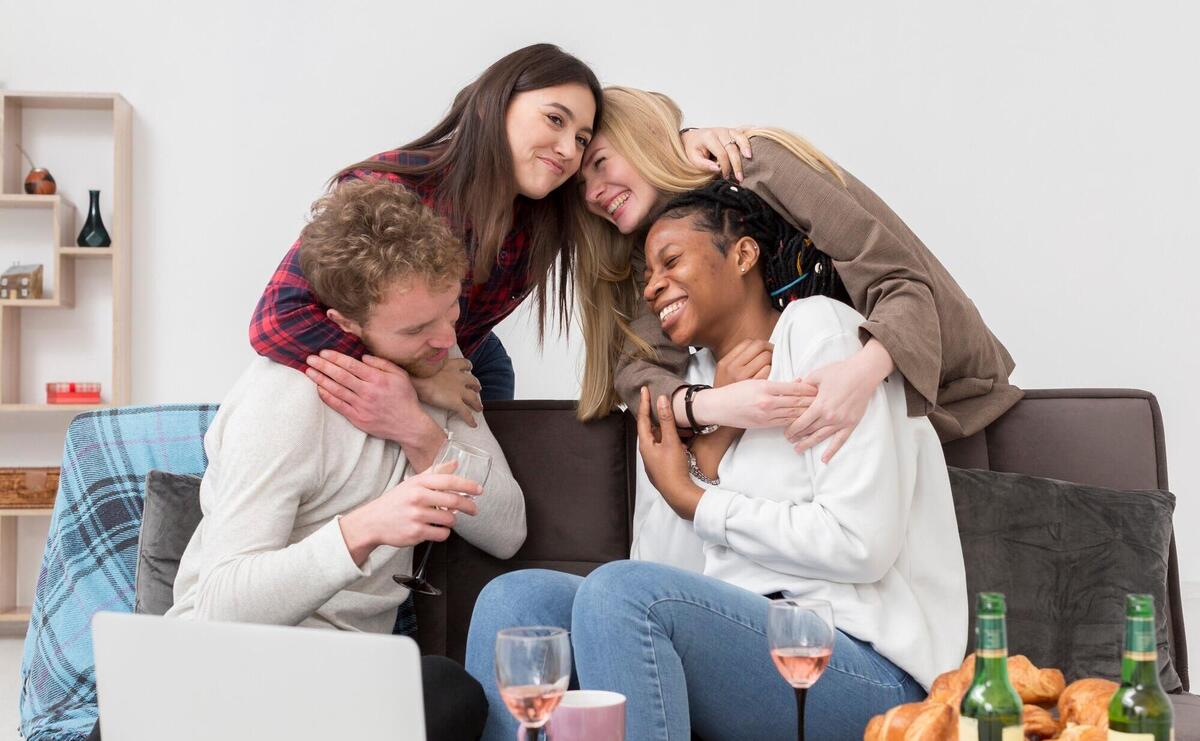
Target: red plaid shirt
290 324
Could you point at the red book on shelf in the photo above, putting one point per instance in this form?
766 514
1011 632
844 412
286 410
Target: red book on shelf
72 393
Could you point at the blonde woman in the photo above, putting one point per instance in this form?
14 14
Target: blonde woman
918 319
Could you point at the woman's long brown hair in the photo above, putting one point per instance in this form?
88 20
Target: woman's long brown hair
470 152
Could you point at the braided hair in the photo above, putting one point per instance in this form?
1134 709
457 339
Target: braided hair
793 267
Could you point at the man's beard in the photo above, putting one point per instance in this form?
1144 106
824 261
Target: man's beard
424 367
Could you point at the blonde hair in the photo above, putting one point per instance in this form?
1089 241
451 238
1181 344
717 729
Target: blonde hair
365 234
643 127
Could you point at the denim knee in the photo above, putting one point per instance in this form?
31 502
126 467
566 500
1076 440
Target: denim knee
616 589
521 596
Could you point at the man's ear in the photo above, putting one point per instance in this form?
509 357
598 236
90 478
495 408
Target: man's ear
746 253
346 325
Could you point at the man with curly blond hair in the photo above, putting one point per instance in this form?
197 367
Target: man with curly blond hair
307 516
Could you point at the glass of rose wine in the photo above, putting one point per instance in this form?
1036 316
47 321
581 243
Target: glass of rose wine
471 463
533 669
800 633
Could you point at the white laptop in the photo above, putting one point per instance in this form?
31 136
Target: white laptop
191 680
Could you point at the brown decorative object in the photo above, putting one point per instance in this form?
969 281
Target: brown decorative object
28 487
39 181
21 281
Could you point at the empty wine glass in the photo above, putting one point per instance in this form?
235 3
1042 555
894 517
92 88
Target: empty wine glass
533 669
800 633
472 463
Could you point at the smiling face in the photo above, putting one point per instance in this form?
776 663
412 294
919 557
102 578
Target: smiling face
412 325
695 290
614 190
548 129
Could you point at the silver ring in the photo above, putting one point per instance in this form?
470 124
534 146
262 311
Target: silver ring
731 143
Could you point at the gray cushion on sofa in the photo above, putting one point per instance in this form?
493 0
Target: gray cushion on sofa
1066 555
169 517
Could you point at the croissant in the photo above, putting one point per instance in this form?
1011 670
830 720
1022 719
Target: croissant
1035 686
952 685
915 721
1084 733
1038 722
1085 703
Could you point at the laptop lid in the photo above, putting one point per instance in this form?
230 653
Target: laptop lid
191 680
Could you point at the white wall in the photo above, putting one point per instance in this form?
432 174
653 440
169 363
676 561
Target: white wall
1046 152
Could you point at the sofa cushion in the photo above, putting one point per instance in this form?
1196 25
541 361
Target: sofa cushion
169 517
1065 555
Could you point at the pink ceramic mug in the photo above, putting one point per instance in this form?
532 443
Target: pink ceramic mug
588 715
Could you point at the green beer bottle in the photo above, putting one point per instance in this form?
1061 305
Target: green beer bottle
991 709
1140 710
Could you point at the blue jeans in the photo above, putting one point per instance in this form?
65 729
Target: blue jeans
494 369
687 651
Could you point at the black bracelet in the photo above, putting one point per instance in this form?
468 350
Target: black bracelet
687 408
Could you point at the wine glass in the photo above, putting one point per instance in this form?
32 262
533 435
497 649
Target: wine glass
474 464
800 633
533 668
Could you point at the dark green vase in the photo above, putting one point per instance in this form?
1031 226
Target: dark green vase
93 233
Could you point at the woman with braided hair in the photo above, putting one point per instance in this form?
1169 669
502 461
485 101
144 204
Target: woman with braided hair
681 629
917 318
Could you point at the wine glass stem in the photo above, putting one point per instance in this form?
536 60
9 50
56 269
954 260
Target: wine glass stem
801 693
420 572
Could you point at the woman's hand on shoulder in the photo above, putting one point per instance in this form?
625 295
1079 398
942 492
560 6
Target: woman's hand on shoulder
844 389
718 149
373 394
453 388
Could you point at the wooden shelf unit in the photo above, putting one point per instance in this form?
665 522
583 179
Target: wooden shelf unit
62 298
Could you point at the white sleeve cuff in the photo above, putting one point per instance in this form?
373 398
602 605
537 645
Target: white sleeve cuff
333 555
711 514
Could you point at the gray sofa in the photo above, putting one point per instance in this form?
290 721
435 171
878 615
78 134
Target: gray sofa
579 488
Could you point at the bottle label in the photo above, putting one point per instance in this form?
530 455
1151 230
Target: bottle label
968 730
1140 637
991 633
1122 736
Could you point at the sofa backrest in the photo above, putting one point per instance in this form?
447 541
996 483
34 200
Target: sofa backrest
1101 437
578 481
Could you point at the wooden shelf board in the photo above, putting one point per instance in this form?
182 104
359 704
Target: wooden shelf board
26 511
52 407
33 303
86 251
19 614
24 200
66 101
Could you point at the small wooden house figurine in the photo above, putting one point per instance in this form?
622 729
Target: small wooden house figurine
21 281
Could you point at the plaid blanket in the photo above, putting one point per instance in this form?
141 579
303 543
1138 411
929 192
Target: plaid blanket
91 551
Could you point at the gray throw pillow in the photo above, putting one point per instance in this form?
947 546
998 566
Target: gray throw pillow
169 517
1065 555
